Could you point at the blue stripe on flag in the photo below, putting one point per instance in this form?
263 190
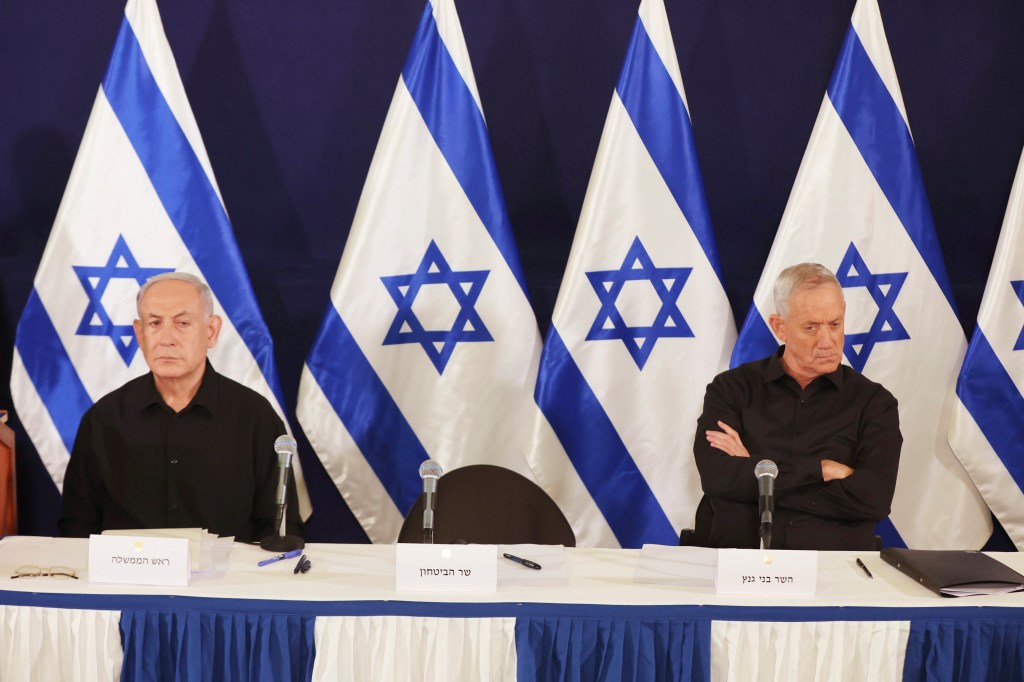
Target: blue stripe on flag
597 452
994 401
663 123
186 193
890 536
877 127
457 126
51 370
755 341
367 410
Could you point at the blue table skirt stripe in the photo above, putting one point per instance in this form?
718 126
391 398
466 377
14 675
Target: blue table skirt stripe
782 614
974 651
202 645
577 649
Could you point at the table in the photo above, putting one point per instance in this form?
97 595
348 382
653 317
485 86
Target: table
344 620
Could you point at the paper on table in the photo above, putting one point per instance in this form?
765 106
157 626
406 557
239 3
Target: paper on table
977 589
550 557
667 565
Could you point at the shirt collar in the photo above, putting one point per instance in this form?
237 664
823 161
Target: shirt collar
205 397
774 371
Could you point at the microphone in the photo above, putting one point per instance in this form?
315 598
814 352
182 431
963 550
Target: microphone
766 471
430 471
286 448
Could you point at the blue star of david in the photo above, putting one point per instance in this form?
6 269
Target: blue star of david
884 289
1018 287
465 286
667 283
96 321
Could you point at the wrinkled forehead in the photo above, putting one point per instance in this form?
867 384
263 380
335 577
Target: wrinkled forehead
171 297
822 302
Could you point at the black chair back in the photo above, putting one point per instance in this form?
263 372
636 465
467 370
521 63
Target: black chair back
487 504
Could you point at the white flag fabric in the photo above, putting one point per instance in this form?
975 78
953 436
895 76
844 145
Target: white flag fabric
641 324
858 206
141 200
430 347
987 429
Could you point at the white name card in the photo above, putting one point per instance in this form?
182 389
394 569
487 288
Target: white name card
776 572
138 560
446 568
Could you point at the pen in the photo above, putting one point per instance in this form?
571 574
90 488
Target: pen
862 565
303 566
520 560
287 555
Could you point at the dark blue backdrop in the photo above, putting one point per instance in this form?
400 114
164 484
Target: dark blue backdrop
290 98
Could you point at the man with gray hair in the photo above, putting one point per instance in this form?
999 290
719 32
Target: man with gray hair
181 446
833 433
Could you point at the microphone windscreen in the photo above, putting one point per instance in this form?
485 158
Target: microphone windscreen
285 445
766 467
430 469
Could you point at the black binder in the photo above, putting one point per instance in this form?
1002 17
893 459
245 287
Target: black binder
955 573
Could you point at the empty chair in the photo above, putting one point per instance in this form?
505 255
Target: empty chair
698 536
487 504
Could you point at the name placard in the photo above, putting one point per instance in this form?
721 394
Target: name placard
771 573
138 560
446 568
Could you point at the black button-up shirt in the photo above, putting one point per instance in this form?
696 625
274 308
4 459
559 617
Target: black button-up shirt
138 464
842 416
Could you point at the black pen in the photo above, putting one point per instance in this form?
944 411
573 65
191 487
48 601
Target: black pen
861 564
520 560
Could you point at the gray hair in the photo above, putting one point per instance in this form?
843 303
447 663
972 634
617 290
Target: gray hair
205 295
800 276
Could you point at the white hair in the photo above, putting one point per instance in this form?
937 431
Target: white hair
800 276
205 295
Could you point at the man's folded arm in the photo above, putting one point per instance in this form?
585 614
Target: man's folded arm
721 474
866 494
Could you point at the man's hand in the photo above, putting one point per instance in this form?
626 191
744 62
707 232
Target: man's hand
831 470
728 441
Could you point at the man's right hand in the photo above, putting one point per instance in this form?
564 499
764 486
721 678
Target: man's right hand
727 440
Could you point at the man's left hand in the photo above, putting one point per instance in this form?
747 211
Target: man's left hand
832 470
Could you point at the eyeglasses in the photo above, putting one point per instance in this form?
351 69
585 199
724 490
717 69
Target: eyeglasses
33 571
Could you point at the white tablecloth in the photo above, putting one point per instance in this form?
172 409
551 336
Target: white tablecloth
854 628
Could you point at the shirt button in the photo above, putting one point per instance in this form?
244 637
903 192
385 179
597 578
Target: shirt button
803 402
174 461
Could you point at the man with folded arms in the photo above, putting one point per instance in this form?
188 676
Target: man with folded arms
833 433
181 446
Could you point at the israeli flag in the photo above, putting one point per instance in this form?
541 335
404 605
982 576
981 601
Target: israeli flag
429 348
141 200
987 430
641 324
858 206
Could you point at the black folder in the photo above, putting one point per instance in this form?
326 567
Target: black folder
955 573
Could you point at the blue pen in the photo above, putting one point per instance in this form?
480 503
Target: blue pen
280 557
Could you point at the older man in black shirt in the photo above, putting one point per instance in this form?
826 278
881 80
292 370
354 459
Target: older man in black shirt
182 446
833 433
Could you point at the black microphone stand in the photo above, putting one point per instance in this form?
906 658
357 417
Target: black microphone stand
279 541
